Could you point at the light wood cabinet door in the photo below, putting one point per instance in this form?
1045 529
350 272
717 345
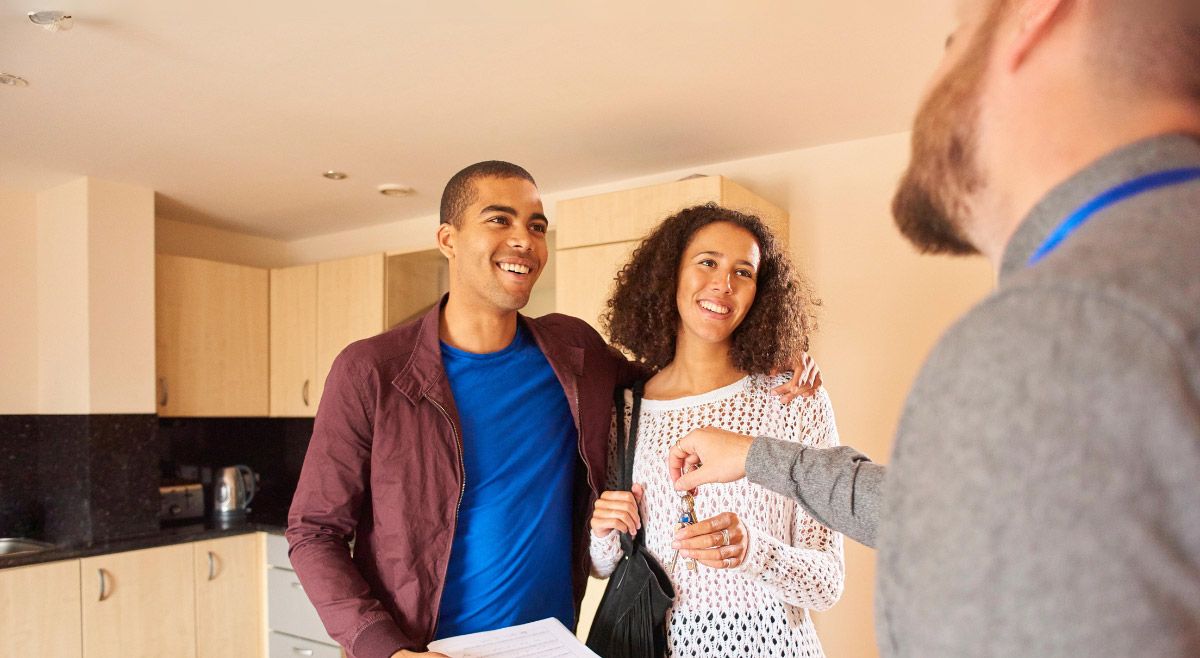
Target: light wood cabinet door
212 338
630 214
39 611
597 234
350 301
229 597
585 279
139 604
294 341
414 284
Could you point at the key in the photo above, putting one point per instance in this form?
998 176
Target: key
689 518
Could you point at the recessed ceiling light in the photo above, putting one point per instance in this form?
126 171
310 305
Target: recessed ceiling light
396 189
10 80
335 175
53 21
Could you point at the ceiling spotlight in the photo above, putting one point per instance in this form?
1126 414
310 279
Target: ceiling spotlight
335 175
52 21
10 80
395 189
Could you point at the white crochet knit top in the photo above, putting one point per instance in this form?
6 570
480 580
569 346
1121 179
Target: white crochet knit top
758 608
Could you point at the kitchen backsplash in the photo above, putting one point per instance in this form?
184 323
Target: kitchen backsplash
273 447
82 478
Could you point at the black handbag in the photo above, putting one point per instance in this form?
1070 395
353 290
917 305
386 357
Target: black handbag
631 621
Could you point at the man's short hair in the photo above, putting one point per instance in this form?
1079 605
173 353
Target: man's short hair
460 191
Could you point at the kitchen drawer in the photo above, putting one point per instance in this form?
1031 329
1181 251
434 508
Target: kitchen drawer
277 551
287 646
289 610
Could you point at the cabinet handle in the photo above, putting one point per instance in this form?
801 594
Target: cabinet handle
212 566
304 393
162 383
301 652
104 593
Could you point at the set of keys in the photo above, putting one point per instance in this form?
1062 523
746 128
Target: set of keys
687 516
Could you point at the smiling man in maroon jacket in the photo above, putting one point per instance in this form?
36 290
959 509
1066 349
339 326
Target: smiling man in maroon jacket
461 452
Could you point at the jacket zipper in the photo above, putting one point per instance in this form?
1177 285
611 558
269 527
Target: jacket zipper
462 471
579 441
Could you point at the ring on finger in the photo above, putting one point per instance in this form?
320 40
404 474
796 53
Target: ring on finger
725 537
728 562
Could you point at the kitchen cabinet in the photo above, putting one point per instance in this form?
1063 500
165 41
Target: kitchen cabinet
295 628
350 304
39 611
597 234
229 596
139 604
294 340
415 282
211 338
316 310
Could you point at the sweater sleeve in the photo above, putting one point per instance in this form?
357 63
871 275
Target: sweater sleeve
810 571
606 551
837 485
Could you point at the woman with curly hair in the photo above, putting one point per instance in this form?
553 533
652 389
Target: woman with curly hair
709 301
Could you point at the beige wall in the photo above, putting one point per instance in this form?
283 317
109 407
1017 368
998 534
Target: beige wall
95 298
18 312
120 274
884 308
62 284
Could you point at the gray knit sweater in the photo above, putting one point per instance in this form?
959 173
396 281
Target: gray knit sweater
1044 493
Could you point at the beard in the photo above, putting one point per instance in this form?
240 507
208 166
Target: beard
932 204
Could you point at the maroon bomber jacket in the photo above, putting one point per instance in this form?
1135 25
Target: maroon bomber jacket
384 468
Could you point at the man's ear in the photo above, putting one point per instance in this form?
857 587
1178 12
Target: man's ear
1035 20
447 236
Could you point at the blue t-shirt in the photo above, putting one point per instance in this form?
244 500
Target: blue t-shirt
511 558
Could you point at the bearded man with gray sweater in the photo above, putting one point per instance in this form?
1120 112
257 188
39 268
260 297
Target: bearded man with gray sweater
1043 497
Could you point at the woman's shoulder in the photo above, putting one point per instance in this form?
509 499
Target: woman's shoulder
760 386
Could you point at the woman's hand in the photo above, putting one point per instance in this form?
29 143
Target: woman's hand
806 379
719 542
617 510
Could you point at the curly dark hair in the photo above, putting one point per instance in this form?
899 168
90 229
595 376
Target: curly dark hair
642 316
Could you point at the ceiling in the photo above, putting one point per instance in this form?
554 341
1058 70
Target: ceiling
231 110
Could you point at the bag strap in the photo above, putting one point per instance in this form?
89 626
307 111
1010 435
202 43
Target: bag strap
627 448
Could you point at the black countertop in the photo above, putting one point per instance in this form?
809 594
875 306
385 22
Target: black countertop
179 534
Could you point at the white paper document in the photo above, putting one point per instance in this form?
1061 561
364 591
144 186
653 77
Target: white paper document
547 638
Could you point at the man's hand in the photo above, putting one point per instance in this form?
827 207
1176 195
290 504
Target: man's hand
806 379
708 455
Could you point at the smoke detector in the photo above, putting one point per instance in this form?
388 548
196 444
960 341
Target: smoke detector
52 21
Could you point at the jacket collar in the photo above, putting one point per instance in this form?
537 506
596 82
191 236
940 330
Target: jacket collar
1137 159
424 368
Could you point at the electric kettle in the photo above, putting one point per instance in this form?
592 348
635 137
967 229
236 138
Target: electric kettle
233 489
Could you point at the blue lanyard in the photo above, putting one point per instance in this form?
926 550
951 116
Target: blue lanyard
1114 196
